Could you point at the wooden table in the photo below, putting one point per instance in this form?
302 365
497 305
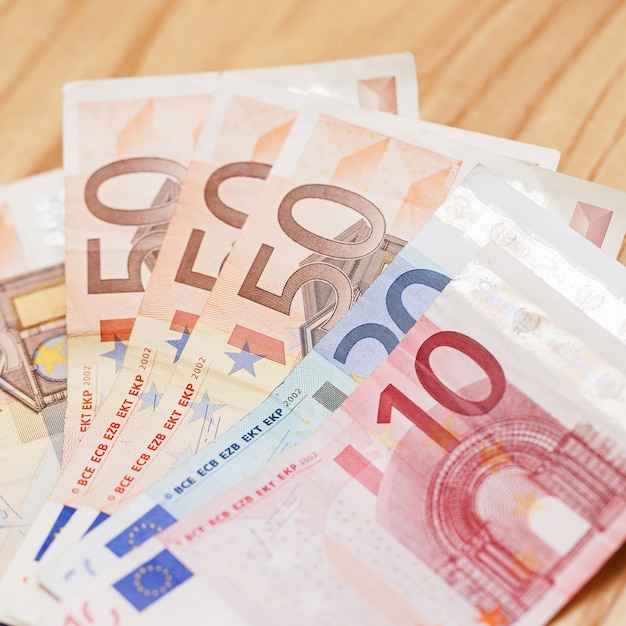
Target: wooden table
551 72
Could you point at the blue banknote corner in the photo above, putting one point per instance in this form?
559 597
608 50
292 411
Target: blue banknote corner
148 525
62 519
101 517
153 580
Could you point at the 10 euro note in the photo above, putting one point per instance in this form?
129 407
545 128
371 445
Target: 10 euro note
464 462
127 145
348 353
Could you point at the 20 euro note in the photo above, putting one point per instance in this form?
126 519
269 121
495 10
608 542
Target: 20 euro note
127 145
312 391
33 358
464 462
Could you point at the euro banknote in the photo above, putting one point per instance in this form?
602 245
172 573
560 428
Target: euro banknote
245 129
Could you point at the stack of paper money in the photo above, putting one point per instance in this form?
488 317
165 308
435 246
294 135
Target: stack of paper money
325 363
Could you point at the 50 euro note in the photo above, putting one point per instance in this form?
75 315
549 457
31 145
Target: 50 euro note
127 146
351 351
348 189
483 459
33 356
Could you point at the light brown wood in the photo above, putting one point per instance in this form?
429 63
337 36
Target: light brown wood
552 72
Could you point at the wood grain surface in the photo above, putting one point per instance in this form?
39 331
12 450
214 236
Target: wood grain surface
551 72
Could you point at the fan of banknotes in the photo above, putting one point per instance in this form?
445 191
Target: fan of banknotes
274 351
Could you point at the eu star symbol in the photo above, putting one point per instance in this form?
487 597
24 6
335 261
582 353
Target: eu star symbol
179 344
357 379
49 357
494 457
527 563
142 529
243 360
491 617
153 580
118 353
150 398
204 409
526 504
384 436
447 424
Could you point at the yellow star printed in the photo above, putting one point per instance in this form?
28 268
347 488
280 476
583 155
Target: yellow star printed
527 561
357 379
527 504
491 617
447 424
49 357
152 590
142 526
385 437
494 457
